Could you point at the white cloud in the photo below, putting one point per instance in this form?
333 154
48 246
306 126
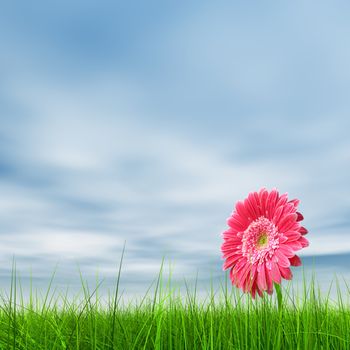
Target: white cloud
326 244
58 245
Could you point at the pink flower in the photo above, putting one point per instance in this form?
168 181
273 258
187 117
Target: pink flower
260 244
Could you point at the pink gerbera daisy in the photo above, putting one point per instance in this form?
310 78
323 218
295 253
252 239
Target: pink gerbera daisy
259 246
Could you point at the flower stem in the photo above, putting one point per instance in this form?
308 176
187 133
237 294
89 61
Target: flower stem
279 296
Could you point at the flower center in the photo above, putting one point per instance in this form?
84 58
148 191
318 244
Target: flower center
260 240
263 240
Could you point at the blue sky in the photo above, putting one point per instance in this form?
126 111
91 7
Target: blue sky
147 121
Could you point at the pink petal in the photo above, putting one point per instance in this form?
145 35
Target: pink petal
235 224
254 205
292 235
242 263
269 281
232 272
283 238
271 203
295 261
228 248
231 262
253 289
282 259
303 241
243 275
231 244
286 250
263 198
242 212
300 216
289 208
250 279
277 215
287 222
240 219
230 233
295 202
258 205
250 210
303 230
295 245
286 273
262 278
275 273
282 199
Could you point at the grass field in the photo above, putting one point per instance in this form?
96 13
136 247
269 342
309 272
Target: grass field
166 319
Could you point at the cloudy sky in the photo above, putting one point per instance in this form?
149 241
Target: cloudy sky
146 121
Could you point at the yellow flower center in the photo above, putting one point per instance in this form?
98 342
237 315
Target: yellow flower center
263 240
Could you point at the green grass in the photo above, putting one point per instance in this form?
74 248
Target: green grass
167 319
